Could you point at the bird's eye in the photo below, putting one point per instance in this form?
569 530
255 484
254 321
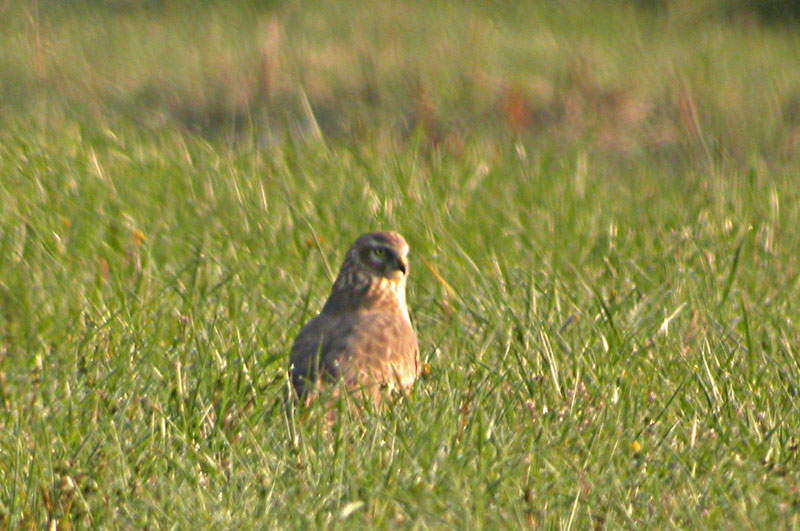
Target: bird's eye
379 252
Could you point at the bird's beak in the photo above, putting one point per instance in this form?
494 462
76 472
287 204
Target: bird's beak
402 265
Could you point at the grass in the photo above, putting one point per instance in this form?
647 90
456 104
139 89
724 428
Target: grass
609 316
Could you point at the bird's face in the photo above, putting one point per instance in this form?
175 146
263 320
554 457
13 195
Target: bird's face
384 255
373 274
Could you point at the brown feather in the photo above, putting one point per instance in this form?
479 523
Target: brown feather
363 335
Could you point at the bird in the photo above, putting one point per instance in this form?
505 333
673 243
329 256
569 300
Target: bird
362 337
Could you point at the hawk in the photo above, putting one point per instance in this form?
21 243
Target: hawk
363 335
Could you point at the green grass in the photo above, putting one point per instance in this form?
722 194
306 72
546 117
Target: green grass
610 321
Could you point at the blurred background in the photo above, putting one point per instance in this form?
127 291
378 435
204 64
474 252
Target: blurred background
673 79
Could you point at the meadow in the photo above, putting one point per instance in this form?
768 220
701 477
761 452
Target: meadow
602 206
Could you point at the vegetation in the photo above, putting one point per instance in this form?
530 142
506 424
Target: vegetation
602 206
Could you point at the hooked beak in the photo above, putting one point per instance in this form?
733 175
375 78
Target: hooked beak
402 265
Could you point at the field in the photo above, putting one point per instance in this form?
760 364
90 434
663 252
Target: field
602 204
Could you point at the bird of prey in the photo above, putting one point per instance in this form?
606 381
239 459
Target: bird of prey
363 335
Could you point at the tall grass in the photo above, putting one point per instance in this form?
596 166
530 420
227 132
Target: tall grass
624 80
609 319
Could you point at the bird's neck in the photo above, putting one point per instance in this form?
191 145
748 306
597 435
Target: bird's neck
357 292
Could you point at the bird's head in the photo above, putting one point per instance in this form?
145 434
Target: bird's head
382 255
374 272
